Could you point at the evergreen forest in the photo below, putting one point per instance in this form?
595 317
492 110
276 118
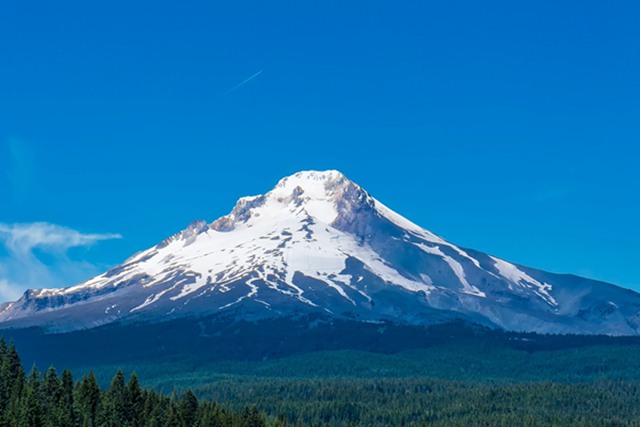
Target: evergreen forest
50 399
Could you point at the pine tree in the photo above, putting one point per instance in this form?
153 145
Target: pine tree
31 409
51 393
115 404
188 409
66 409
252 418
173 415
88 399
4 382
12 366
135 401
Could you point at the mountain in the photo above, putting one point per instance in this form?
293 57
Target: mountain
318 244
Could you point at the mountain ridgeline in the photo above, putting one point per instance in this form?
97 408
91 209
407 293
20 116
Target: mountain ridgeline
318 246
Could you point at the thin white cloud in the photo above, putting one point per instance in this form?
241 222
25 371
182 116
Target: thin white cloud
23 238
22 267
244 82
8 292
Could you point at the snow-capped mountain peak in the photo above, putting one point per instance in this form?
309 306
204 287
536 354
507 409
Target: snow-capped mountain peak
321 196
317 242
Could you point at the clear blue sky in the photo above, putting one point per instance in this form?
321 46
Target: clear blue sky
508 127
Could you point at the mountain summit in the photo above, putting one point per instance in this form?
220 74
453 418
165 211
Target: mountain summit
319 243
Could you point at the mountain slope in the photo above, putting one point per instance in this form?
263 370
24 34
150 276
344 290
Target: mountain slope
318 243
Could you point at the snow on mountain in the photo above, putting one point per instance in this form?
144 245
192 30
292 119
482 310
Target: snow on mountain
318 242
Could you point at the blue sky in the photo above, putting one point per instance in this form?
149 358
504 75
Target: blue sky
508 127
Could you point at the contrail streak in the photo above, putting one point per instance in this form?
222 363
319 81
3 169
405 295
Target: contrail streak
244 82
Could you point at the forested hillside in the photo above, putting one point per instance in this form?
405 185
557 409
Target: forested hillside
52 400
318 399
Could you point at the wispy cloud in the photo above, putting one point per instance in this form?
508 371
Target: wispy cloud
242 83
7 291
27 244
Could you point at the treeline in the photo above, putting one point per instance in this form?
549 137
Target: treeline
342 402
52 400
56 400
